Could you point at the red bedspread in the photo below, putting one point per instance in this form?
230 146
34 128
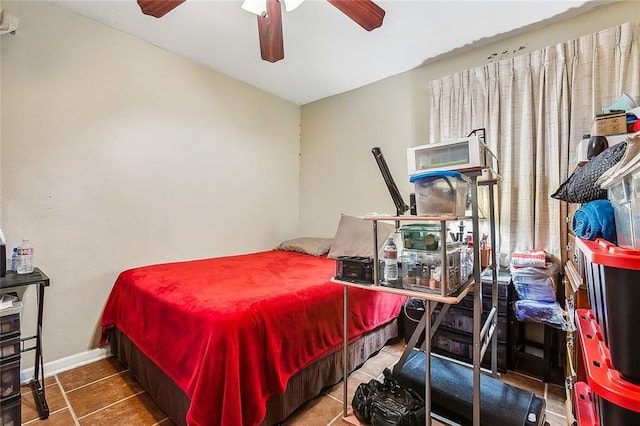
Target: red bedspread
231 331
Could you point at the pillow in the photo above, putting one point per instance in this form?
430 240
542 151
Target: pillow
307 245
581 186
354 237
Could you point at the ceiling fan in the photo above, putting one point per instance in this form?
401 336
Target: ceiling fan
365 13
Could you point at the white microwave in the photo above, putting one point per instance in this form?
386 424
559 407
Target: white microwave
455 154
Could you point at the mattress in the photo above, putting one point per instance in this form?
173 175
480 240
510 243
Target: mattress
230 332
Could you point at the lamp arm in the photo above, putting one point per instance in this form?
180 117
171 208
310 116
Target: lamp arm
401 206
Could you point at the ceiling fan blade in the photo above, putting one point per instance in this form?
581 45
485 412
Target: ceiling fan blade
158 8
270 32
365 13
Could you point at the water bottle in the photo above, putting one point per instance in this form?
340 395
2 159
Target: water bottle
14 260
390 262
25 258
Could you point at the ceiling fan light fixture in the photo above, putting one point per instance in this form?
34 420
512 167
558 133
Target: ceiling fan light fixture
290 5
257 7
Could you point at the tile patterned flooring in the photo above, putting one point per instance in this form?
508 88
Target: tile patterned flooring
104 393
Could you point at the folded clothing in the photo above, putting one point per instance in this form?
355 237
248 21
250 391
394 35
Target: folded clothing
595 220
536 258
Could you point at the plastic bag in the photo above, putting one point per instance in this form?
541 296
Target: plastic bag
550 313
538 284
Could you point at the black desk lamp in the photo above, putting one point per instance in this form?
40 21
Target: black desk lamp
401 207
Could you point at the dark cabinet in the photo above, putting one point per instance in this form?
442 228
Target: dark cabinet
454 336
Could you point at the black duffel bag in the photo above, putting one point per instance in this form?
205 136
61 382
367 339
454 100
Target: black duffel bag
387 404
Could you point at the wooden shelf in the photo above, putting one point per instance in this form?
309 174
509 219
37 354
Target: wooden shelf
434 297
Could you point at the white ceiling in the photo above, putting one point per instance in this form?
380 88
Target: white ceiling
326 53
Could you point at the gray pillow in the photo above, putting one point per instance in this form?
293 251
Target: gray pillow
354 237
581 186
307 245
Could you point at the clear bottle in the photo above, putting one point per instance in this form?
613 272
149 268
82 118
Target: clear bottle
14 260
390 262
25 258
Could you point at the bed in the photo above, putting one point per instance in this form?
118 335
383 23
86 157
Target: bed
241 340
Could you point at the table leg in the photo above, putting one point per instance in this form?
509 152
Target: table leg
345 353
37 384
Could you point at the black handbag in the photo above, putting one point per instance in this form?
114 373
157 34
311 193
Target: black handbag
387 404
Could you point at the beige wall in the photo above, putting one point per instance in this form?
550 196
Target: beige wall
339 173
0 130
116 153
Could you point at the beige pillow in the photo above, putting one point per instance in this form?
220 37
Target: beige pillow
354 237
307 245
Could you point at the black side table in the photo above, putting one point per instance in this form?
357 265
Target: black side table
37 277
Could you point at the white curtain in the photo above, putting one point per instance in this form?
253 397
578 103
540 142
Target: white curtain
535 109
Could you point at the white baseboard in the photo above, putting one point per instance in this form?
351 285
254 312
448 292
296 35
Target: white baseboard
67 363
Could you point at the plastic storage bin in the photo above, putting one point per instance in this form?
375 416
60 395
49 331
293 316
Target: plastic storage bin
455 154
616 400
9 347
422 270
10 325
442 193
423 236
624 195
10 377
613 285
460 347
10 411
585 405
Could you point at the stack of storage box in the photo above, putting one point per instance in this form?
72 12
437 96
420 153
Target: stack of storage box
454 336
10 365
609 332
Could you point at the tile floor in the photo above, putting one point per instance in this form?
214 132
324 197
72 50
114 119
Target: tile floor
104 393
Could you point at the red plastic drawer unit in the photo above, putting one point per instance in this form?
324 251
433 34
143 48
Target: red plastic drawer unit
613 278
617 400
585 405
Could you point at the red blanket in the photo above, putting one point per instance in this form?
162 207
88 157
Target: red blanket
231 331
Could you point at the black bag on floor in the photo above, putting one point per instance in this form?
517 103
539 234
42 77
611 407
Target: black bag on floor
388 404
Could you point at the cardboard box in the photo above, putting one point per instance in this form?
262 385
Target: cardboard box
609 124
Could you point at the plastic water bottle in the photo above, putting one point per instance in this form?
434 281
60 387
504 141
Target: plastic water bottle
390 261
14 260
25 258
